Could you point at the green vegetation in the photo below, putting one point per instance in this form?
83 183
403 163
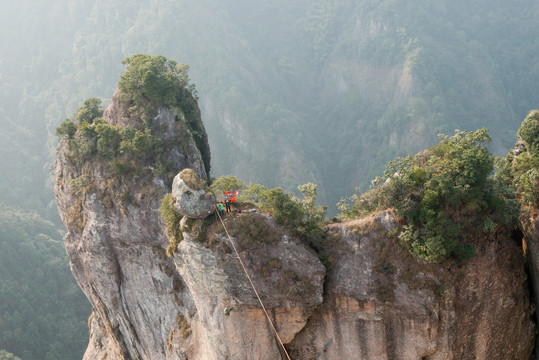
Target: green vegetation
148 82
302 216
98 139
154 78
521 169
445 195
43 312
4 355
172 220
529 132
226 183
273 97
90 110
151 81
470 71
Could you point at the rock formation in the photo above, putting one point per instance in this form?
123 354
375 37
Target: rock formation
374 300
192 200
382 303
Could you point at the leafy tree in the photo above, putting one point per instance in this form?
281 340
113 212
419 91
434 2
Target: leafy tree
109 139
146 143
119 143
227 183
445 194
529 132
4 355
156 79
313 215
172 221
90 110
254 193
285 209
522 168
66 128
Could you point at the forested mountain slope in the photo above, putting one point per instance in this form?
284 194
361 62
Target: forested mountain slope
43 313
290 92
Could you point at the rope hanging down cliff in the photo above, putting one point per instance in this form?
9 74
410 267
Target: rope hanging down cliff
253 286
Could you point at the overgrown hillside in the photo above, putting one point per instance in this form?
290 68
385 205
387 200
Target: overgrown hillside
43 313
290 92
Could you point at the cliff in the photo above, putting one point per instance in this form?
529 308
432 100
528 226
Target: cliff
372 300
382 303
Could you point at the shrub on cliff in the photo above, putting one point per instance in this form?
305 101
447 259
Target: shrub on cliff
302 216
529 132
87 140
444 194
520 169
91 109
227 183
172 220
149 82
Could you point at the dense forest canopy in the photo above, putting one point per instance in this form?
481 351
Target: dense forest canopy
297 92
289 92
43 313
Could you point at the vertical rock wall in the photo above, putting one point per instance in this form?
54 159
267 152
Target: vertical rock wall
381 303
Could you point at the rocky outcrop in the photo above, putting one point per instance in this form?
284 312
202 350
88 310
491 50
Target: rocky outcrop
116 244
192 200
372 300
382 303
287 276
147 305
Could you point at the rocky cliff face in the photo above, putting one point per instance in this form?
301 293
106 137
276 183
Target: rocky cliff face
374 301
382 303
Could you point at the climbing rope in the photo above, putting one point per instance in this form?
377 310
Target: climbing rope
253 286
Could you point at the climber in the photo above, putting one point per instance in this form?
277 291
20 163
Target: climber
227 204
220 208
227 311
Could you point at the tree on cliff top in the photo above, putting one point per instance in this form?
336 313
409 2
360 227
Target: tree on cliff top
521 169
156 79
444 194
529 132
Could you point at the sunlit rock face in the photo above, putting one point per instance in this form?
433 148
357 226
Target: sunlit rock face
287 275
116 244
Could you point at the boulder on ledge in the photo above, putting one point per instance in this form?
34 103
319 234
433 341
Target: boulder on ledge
191 195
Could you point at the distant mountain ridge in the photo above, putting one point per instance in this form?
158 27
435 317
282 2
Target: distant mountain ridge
308 89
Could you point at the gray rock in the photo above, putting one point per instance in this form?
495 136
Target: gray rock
382 303
191 202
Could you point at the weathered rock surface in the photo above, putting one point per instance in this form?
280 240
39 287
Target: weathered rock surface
191 200
530 227
116 245
290 290
381 303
